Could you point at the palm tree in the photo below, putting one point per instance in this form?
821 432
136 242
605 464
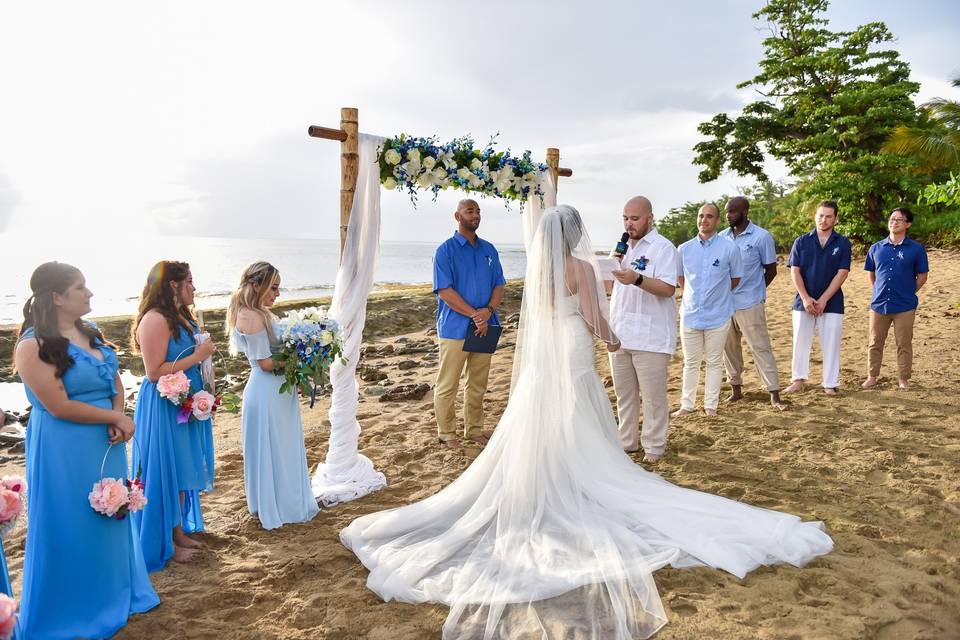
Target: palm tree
935 140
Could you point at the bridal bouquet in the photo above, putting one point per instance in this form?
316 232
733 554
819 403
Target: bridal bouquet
310 341
12 489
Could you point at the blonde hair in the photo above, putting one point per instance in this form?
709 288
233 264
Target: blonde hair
254 286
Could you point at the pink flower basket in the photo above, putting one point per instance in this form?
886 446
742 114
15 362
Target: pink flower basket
116 497
12 495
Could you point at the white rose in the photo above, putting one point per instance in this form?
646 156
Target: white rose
439 173
475 164
464 174
412 168
448 161
429 162
326 337
389 184
414 154
476 181
392 156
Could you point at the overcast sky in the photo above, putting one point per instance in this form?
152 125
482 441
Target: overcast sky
190 118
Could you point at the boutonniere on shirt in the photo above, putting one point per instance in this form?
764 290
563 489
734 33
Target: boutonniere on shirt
640 264
900 255
489 261
836 250
716 262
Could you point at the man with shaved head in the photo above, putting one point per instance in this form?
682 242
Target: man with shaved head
644 315
759 255
710 269
468 280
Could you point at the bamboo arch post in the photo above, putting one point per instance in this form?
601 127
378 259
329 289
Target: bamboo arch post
553 162
349 162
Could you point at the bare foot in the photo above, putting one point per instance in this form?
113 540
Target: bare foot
710 412
869 383
183 555
652 458
679 413
903 384
183 540
480 439
796 385
737 393
830 391
779 406
631 450
452 443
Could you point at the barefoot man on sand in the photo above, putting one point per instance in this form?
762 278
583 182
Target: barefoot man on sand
468 281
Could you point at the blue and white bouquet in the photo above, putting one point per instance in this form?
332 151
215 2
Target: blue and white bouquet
310 341
408 163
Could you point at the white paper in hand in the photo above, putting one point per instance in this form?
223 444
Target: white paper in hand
607 267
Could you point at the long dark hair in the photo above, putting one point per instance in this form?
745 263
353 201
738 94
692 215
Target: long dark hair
40 313
158 295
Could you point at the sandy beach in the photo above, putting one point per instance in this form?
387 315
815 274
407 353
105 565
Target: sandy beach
879 467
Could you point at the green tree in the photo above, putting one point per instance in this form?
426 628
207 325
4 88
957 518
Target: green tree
829 102
934 141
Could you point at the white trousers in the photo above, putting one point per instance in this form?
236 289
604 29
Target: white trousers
829 327
704 345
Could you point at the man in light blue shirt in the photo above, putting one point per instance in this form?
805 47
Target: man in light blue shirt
468 280
710 269
759 255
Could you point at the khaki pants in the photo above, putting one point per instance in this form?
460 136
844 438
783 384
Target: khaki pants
750 323
902 331
641 377
702 346
453 360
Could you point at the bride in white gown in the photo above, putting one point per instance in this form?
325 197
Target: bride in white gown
553 531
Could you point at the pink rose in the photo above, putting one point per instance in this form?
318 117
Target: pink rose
8 616
108 496
173 386
14 483
204 404
10 505
136 499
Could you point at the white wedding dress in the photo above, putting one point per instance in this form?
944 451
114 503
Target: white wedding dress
553 531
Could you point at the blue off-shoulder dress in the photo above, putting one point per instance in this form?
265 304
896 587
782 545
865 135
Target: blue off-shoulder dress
83 573
275 473
175 458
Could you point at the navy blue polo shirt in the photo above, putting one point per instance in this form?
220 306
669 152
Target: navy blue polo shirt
819 265
473 271
896 267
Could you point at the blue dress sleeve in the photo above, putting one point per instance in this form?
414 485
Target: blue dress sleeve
257 345
442 269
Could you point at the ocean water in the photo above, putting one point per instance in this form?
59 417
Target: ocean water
117 271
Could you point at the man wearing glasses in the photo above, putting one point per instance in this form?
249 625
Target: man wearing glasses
898 268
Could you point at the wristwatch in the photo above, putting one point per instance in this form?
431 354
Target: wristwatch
639 279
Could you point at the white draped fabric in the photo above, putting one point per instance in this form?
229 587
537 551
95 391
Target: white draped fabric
347 475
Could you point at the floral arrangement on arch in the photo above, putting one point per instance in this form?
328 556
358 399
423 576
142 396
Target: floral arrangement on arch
410 164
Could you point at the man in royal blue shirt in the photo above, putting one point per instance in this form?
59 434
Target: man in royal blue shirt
468 280
898 268
819 263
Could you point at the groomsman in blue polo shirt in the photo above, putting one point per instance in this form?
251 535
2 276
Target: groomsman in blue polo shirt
710 268
898 268
819 263
468 281
759 254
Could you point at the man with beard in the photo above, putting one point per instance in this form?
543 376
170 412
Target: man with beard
643 315
468 280
759 256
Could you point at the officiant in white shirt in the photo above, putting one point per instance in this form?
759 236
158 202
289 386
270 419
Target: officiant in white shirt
643 315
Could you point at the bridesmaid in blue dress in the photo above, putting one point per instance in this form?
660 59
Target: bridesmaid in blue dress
177 459
275 473
83 573
5 586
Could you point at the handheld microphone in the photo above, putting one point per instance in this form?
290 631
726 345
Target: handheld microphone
622 245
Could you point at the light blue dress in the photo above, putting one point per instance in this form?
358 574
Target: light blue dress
83 573
5 586
175 458
275 473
